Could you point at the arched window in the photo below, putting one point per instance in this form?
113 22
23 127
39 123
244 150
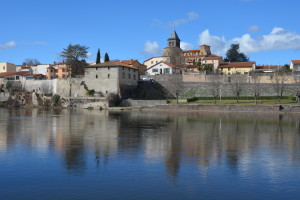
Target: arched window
96 75
108 76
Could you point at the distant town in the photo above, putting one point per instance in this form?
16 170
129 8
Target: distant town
179 73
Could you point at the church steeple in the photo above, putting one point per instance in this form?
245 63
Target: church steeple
173 40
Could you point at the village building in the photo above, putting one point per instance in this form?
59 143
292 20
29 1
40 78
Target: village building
13 76
236 67
154 60
7 67
62 69
267 68
51 73
186 59
295 65
163 68
112 77
135 63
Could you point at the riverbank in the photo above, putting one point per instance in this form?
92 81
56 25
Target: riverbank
213 108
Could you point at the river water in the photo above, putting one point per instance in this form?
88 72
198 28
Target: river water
83 154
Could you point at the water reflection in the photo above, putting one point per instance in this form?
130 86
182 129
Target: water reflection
237 141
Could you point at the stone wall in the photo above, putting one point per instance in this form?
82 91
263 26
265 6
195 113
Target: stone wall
226 89
86 102
43 86
225 108
131 102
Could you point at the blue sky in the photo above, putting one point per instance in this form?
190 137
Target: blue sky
268 30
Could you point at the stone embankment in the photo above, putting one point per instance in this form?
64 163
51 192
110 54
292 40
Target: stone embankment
215 108
34 99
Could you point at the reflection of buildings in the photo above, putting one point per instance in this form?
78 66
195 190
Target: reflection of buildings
173 140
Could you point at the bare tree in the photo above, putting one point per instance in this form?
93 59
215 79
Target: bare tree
297 88
237 86
175 85
279 85
256 86
214 88
31 62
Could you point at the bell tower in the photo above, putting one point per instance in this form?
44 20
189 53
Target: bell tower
173 49
173 40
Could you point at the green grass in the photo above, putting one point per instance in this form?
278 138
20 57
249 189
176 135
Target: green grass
241 102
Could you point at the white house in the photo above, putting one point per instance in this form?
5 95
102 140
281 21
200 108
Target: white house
295 65
163 68
154 60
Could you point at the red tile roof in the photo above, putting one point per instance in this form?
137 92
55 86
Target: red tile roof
112 64
156 57
268 67
128 62
186 51
237 65
296 61
5 74
171 65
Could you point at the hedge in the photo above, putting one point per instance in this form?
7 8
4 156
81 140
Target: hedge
193 99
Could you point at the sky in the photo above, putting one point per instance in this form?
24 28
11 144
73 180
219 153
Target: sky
268 31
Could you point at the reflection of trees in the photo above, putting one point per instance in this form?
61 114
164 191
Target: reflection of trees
74 149
199 138
172 159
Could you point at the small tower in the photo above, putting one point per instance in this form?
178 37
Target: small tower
173 50
173 40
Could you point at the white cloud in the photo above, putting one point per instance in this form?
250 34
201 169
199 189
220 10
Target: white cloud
151 48
7 45
186 46
190 16
254 28
277 39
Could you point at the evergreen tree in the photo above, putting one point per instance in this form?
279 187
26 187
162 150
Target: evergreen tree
74 56
98 57
106 58
234 55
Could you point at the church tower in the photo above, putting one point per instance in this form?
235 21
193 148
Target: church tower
173 50
173 40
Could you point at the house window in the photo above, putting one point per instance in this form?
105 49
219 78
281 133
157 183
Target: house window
129 76
96 75
108 68
123 68
167 71
96 68
129 69
123 75
3 67
154 70
229 69
134 77
108 76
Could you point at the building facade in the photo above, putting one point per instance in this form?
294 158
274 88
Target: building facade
7 67
237 67
111 78
163 68
295 65
135 63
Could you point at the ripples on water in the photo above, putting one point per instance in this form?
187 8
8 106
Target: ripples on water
83 154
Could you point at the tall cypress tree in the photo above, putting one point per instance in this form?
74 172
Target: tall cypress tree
98 57
106 58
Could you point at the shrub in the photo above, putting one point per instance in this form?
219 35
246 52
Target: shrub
55 98
9 85
90 93
193 99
